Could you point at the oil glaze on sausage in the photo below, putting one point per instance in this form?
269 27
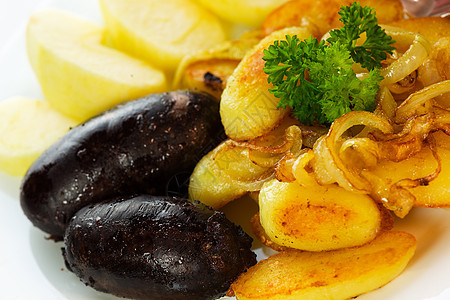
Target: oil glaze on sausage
149 247
134 148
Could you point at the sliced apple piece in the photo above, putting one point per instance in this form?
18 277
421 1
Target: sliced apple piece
248 12
340 274
27 128
79 76
161 32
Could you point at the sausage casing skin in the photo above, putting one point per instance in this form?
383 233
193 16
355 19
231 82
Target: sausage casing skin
151 247
136 147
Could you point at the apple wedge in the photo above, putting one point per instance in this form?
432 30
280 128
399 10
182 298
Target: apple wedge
161 32
27 128
248 12
79 76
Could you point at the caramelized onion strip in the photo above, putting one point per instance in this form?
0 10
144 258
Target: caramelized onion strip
416 54
265 159
328 164
250 183
292 141
412 104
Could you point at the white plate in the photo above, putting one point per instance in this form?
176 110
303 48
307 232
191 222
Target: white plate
32 267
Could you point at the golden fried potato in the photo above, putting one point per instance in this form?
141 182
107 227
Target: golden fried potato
233 169
340 274
209 70
422 164
322 16
432 28
315 217
212 179
248 110
210 188
209 75
387 223
261 235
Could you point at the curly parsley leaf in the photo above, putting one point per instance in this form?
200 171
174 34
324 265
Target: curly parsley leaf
341 90
358 20
316 80
287 63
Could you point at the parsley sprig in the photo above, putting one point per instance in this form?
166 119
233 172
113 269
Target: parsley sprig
358 20
316 79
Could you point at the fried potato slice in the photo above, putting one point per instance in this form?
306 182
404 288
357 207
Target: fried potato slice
258 231
210 187
315 217
322 16
437 192
209 75
233 169
248 110
339 274
432 28
387 223
209 70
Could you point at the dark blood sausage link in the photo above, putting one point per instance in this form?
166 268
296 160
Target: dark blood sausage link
149 247
133 148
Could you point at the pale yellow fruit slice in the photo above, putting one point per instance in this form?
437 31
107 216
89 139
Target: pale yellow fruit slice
27 128
161 32
79 76
340 274
248 12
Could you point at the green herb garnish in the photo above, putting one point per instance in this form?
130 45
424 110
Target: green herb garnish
358 20
316 80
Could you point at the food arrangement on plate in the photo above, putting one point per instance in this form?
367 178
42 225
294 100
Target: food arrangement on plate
335 121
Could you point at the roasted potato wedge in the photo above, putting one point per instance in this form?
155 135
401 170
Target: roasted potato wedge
315 217
340 274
